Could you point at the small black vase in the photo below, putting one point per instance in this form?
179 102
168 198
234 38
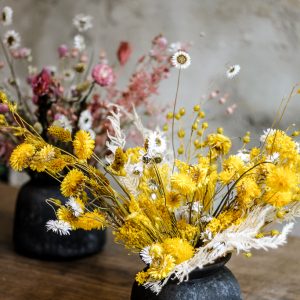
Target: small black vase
30 236
213 282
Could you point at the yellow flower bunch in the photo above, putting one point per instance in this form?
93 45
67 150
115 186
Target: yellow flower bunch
166 206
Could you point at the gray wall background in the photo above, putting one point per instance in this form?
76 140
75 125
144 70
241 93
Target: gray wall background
263 36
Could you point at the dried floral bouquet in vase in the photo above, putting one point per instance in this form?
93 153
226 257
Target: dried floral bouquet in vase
58 100
183 204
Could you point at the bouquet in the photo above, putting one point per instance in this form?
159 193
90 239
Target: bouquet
76 93
180 203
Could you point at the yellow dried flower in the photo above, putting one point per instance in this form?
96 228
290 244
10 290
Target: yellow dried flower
91 220
183 183
60 133
22 156
219 144
72 183
141 277
178 248
163 268
83 145
174 200
3 98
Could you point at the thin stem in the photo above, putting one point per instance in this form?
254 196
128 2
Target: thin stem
173 119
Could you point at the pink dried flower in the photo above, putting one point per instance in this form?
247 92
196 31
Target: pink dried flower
124 53
41 83
84 58
3 108
230 109
63 51
2 64
103 74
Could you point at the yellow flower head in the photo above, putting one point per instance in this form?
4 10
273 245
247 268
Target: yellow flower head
183 183
61 134
21 156
3 97
281 179
180 249
219 144
162 268
278 199
72 183
83 145
91 220
174 200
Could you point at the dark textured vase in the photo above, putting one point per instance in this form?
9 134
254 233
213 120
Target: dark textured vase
213 282
30 236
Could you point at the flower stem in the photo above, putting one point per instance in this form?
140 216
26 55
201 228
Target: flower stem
173 119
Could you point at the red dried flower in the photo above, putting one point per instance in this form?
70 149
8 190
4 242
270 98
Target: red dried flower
124 53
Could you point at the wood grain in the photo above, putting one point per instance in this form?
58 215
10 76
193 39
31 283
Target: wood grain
109 275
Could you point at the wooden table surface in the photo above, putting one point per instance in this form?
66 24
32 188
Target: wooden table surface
109 275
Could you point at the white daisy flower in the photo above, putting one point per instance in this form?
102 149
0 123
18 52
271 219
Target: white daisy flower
181 60
233 71
156 144
63 121
244 155
58 226
79 42
12 39
266 133
145 255
85 121
6 16
82 22
75 206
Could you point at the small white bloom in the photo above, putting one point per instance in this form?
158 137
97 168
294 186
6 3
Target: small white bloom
85 120
297 147
206 235
181 60
156 144
145 255
135 169
206 218
62 121
58 226
68 75
6 16
244 155
75 206
174 47
82 22
52 70
273 158
266 133
12 39
79 42
233 71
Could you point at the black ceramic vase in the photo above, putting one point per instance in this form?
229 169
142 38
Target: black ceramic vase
30 236
213 282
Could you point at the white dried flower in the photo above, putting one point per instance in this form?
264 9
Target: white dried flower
266 133
233 71
244 155
85 120
145 255
6 16
58 226
62 121
156 144
12 39
181 60
79 42
82 22
75 207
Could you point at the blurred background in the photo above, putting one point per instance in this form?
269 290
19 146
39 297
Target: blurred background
261 36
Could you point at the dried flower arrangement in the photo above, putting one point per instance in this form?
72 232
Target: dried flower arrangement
75 93
180 208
